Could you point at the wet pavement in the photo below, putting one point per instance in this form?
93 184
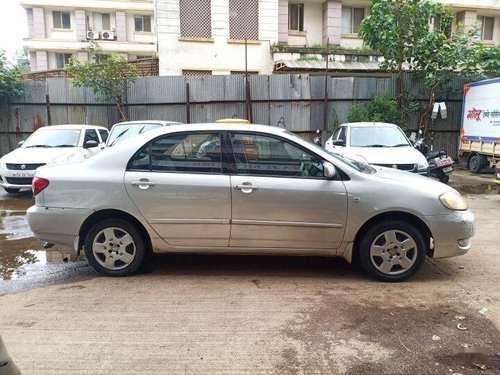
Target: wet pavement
24 264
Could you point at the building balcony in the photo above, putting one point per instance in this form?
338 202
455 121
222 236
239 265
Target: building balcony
310 59
104 45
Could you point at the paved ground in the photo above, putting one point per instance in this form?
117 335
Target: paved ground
266 315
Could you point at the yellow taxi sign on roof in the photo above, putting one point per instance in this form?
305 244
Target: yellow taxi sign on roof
232 121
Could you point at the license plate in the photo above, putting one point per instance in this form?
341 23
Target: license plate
447 169
22 174
444 161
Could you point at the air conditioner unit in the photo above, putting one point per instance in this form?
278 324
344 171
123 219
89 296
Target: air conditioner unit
92 35
108 35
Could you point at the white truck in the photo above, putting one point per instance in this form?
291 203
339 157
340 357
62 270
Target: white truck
480 128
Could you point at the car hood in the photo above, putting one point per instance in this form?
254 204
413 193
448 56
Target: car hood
384 155
41 155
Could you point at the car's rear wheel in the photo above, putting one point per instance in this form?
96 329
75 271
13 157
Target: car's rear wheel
114 247
392 251
12 191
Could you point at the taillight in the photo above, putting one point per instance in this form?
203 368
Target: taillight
39 184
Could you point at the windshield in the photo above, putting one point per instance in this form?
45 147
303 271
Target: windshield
126 131
53 138
378 136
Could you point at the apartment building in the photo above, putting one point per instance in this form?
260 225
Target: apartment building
59 29
221 36
265 36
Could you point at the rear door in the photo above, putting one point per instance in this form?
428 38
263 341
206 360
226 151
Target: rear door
181 191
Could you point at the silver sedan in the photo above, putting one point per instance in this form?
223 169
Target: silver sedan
244 189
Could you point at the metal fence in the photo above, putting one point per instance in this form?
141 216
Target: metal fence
296 102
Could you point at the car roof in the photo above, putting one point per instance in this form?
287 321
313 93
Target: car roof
73 126
368 124
220 126
142 122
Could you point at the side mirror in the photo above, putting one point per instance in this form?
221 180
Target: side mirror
20 143
329 170
338 142
90 144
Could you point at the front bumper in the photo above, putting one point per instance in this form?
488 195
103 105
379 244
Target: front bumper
59 226
451 233
14 179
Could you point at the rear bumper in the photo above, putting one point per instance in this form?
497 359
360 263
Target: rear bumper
56 225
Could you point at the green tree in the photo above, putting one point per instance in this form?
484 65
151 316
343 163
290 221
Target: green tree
401 31
11 84
108 76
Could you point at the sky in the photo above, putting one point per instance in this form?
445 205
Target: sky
13 27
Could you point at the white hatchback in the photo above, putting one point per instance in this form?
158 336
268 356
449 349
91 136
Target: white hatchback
48 145
377 143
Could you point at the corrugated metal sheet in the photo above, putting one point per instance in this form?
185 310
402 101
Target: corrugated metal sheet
321 65
300 116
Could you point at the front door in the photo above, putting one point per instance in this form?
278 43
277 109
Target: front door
280 197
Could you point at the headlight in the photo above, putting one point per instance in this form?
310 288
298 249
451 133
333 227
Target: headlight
422 164
453 201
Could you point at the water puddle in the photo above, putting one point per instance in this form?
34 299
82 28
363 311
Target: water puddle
18 249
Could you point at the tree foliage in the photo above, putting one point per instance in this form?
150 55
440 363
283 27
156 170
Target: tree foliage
11 84
382 108
401 31
108 76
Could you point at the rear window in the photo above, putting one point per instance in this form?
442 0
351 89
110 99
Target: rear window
125 131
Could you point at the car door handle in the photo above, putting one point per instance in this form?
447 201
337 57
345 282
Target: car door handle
246 188
143 183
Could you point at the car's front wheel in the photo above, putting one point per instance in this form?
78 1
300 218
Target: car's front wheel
114 247
392 251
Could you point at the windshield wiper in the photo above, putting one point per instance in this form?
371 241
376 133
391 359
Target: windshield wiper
401 145
118 136
64 146
43 146
377 145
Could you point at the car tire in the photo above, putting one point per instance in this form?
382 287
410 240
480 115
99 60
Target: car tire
392 251
12 191
114 247
444 179
475 165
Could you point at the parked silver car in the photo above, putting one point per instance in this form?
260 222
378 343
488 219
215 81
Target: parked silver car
253 189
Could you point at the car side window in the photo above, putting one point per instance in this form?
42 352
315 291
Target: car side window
340 133
262 155
90 135
183 152
104 135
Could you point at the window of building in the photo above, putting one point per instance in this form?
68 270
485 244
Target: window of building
351 19
296 17
244 19
62 59
62 20
142 23
439 24
192 72
102 21
486 25
196 18
242 72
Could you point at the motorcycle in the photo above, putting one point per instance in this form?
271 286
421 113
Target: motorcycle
440 163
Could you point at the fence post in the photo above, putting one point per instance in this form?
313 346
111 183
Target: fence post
188 108
49 116
248 102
